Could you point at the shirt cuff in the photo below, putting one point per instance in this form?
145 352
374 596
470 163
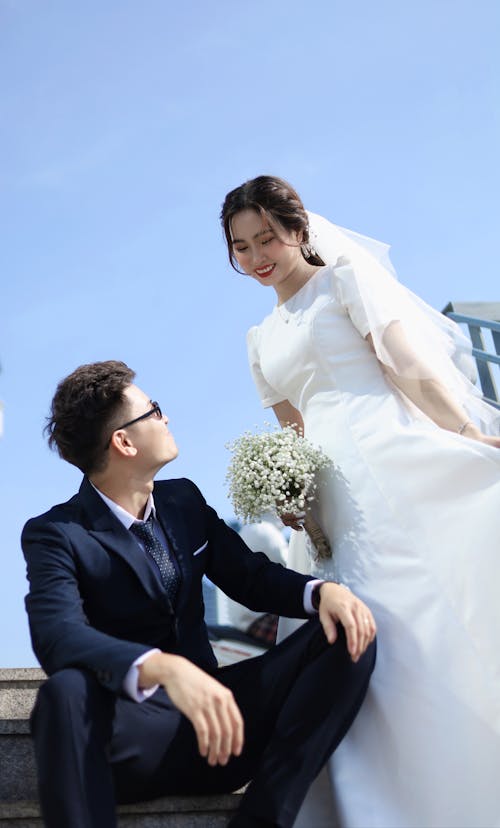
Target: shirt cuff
308 607
131 680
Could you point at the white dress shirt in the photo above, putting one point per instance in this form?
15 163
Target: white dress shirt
131 680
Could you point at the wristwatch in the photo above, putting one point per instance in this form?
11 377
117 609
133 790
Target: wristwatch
315 595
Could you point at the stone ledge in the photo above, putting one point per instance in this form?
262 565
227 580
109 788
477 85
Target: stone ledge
18 805
14 727
18 689
31 677
16 705
167 812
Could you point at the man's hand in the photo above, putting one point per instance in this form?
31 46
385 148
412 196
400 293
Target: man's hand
338 604
209 706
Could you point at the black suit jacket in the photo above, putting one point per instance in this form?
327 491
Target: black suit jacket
95 602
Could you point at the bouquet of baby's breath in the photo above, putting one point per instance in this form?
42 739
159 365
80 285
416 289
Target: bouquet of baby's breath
275 470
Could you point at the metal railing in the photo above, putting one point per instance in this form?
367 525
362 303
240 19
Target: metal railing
485 360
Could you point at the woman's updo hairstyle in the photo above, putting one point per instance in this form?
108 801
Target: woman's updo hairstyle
275 200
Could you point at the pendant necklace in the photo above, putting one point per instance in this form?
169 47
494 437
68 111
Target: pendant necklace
286 316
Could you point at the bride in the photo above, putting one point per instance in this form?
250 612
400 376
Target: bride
411 505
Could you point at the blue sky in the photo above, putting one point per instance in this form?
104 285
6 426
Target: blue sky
123 125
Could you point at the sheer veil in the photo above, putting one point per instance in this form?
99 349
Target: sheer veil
412 339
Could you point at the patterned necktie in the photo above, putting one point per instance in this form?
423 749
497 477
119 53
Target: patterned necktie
163 560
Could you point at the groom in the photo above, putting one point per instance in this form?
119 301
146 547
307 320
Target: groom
135 706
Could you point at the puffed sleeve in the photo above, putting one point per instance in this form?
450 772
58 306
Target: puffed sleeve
409 337
268 395
346 290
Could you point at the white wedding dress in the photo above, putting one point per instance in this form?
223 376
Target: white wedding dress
413 515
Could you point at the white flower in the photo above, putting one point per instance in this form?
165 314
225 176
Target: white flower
272 470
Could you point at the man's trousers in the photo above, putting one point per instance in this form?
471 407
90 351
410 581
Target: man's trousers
94 749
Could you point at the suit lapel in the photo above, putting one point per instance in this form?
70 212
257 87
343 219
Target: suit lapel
108 530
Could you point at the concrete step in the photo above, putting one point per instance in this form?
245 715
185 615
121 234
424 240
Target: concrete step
18 689
18 794
168 812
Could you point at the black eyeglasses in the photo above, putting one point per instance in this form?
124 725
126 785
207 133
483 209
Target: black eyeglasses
154 411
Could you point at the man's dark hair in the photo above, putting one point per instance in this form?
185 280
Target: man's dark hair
85 410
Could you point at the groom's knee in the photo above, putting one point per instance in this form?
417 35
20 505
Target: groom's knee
357 673
65 685
67 694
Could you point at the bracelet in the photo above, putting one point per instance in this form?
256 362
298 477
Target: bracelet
464 426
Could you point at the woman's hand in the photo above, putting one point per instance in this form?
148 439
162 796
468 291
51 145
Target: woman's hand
490 441
473 433
293 521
